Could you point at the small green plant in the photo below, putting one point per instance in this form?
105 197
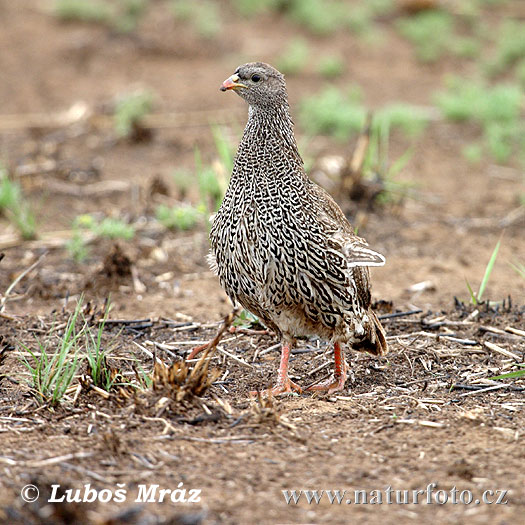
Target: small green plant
83 10
510 47
77 247
111 228
377 165
144 378
183 180
129 14
411 120
519 268
473 152
511 375
101 373
52 373
182 217
210 188
496 109
204 16
254 7
121 15
476 298
130 110
294 58
430 32
247 320
318 16
359 19
15 207
225 151
333 113
465 47
331 67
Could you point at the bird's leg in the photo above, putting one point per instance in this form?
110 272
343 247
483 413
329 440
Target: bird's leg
284 383
337 381
197 350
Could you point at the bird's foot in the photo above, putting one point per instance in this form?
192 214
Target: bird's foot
334 383
282 387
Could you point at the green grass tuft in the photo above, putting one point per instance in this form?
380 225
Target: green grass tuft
111 228
15 207
181 217
83 10
333 113
96 355
496 109
318 16
294 58
430 32
519 268
331 67
77 247
204 16
130 110
253 7
51 372
476 298
510 47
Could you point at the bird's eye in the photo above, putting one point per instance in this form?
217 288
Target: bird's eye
256 78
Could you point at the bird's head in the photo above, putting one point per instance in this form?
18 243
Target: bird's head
259 84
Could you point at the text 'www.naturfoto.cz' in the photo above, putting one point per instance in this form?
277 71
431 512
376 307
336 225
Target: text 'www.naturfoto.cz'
390 496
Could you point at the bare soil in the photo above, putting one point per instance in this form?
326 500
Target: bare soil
424 414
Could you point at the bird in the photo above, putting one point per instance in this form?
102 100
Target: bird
282 247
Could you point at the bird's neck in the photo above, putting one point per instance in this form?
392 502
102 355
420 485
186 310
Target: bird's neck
270 131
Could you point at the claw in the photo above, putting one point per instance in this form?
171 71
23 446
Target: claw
337 380
333 384
282 387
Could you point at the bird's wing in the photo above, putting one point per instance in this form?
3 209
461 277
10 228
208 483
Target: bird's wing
339 230
358 253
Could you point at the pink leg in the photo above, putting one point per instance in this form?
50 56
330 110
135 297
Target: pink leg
197 350
338 379
284 383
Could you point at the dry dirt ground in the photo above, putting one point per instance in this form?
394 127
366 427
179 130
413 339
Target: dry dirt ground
427 413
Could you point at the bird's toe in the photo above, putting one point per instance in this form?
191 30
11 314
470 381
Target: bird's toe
331 385
283 387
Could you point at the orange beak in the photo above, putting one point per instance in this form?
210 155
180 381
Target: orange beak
232 83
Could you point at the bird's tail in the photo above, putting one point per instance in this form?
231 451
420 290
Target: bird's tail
374 341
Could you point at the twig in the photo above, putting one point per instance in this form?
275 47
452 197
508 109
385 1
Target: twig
324 365
48 461
18 279
353 169
123 321
95 189
399 314
502 351
269 349
221 441
85 471
234 357
483 390
515 331
212 345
